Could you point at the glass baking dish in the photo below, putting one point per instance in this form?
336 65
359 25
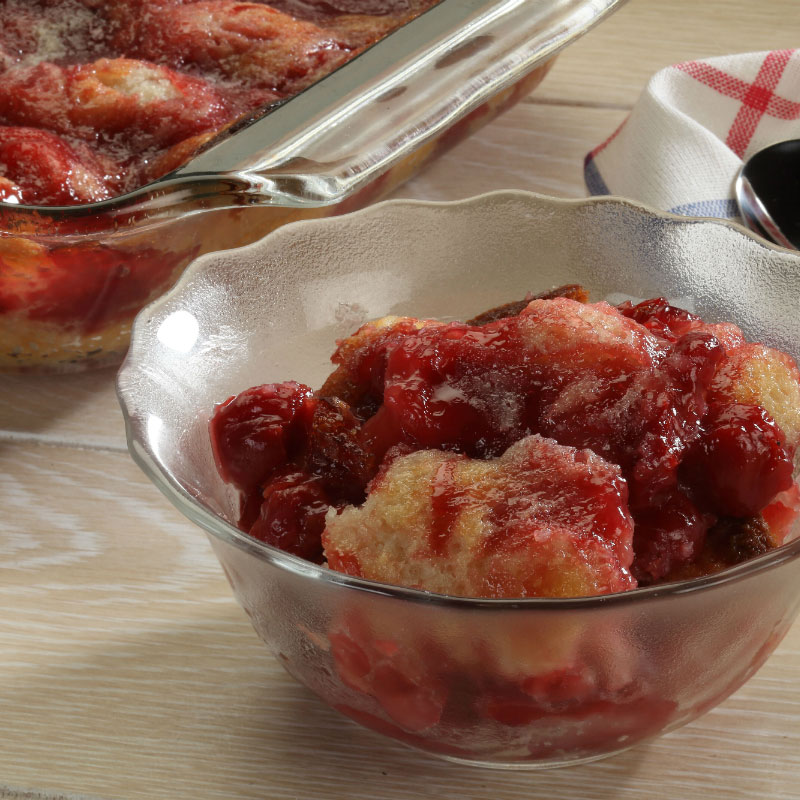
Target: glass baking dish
72 278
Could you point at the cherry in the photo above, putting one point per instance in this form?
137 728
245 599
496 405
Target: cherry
663 319
674 404
740 463
292 515
51 170
257 432
666 537
404 681
457 387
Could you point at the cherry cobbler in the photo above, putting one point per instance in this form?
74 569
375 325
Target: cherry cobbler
548 448
98 98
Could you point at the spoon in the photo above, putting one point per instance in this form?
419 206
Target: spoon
768 193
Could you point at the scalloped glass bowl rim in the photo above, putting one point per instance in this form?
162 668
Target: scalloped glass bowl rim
229 534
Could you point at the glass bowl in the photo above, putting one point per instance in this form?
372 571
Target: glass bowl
528 683
73 278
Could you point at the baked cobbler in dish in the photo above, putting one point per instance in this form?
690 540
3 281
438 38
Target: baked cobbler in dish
98 98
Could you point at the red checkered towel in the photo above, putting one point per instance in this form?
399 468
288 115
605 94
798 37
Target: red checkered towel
684 141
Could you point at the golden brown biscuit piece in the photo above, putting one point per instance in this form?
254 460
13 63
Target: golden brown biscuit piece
542 520
573 291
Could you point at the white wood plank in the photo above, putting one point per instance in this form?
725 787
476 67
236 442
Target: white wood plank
612 63
533 147
79 408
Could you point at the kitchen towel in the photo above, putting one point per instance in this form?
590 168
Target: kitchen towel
684 141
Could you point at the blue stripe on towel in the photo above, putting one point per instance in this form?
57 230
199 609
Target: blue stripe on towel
593 179
724 209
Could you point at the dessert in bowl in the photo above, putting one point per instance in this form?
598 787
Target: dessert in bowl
504 679
551 447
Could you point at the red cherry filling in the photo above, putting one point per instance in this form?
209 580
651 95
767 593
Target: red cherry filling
292 456
259 431
251 44
741 462
51 170
292 515
633 387
663 319
666 537
85 286
75 68
404 682
458 388
361 359
674 404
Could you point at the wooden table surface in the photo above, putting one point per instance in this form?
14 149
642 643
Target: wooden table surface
127 669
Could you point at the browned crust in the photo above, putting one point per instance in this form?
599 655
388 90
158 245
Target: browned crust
572 291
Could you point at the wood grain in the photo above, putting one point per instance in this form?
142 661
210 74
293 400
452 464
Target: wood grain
612 63
128 671
55 409
533 147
